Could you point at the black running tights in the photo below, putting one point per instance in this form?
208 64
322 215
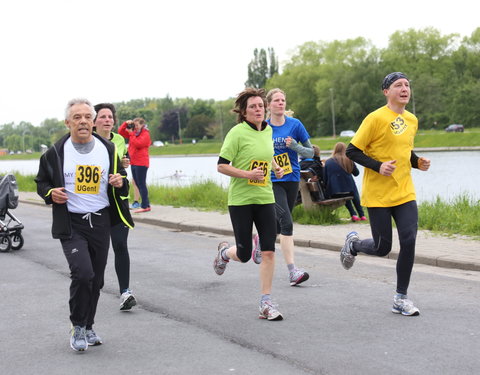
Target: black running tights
406 219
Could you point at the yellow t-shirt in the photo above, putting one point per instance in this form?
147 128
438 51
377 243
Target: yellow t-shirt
386 135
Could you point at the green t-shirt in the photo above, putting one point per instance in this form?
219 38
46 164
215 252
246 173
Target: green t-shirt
248 148
120 142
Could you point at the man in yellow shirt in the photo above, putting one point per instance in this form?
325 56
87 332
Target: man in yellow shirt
384 146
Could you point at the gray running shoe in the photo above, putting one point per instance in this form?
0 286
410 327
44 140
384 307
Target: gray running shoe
127 300
298 276
92 338
256 251
346 257
219 264
269 311
78 340
134 205
402 305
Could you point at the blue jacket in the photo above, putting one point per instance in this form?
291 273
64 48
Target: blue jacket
338 180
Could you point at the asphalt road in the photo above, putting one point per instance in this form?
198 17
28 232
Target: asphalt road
191 321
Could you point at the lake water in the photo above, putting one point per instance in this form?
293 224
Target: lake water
451 173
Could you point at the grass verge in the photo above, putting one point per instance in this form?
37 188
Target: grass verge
461 216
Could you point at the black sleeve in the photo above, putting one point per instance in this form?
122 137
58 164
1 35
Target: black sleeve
44 179
222 160
414 160
355 170
357 155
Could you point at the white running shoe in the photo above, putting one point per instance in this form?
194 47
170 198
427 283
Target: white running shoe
127 300
219 264
402 305
256 251
298 276
346 257
269 311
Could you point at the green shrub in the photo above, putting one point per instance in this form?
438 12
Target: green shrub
459 216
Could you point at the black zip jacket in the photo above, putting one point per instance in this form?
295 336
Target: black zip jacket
50 176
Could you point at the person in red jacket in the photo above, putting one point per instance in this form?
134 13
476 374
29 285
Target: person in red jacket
138 137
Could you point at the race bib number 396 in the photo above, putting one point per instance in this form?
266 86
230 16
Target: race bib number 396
284 161
265 167
87 179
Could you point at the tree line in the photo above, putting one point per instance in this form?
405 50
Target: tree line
330 86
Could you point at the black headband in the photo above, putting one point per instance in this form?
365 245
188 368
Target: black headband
392 77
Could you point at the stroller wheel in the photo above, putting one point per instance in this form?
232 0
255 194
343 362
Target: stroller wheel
16 241
5 244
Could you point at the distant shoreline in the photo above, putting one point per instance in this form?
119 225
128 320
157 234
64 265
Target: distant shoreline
329 152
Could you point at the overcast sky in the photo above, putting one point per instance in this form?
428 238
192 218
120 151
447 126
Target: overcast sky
117 50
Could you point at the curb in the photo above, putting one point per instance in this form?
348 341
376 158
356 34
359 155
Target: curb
441 261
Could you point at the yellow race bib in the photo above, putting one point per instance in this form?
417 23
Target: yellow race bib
87 179
265 167
283 161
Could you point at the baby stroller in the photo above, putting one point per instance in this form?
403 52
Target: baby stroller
11 230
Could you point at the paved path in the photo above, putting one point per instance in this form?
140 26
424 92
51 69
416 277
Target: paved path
432 249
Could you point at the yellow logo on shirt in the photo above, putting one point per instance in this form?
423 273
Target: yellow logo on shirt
398 126
87 179
262 164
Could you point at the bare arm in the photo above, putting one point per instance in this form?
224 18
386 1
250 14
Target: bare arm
229 170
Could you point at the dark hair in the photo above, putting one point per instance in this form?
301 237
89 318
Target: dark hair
109 106
242 98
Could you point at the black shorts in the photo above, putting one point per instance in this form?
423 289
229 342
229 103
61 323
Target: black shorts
243 217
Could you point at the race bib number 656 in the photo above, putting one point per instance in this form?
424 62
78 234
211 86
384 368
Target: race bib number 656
87 179
265 167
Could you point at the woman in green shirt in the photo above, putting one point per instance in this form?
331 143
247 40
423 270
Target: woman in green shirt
247 157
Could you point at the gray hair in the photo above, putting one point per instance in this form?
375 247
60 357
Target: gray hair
75 101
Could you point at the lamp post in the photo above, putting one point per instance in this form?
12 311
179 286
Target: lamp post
50 131
413 98
221 122
23 138
179 129
333 111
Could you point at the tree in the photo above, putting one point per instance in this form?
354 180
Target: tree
260 69
173 122
197 126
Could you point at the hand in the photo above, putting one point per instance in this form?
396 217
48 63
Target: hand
125 162
116 180
278 172
288 141
256 174
59 195
128 129
423 163
387 168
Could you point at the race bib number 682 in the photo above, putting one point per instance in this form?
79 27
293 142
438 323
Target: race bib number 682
284 161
